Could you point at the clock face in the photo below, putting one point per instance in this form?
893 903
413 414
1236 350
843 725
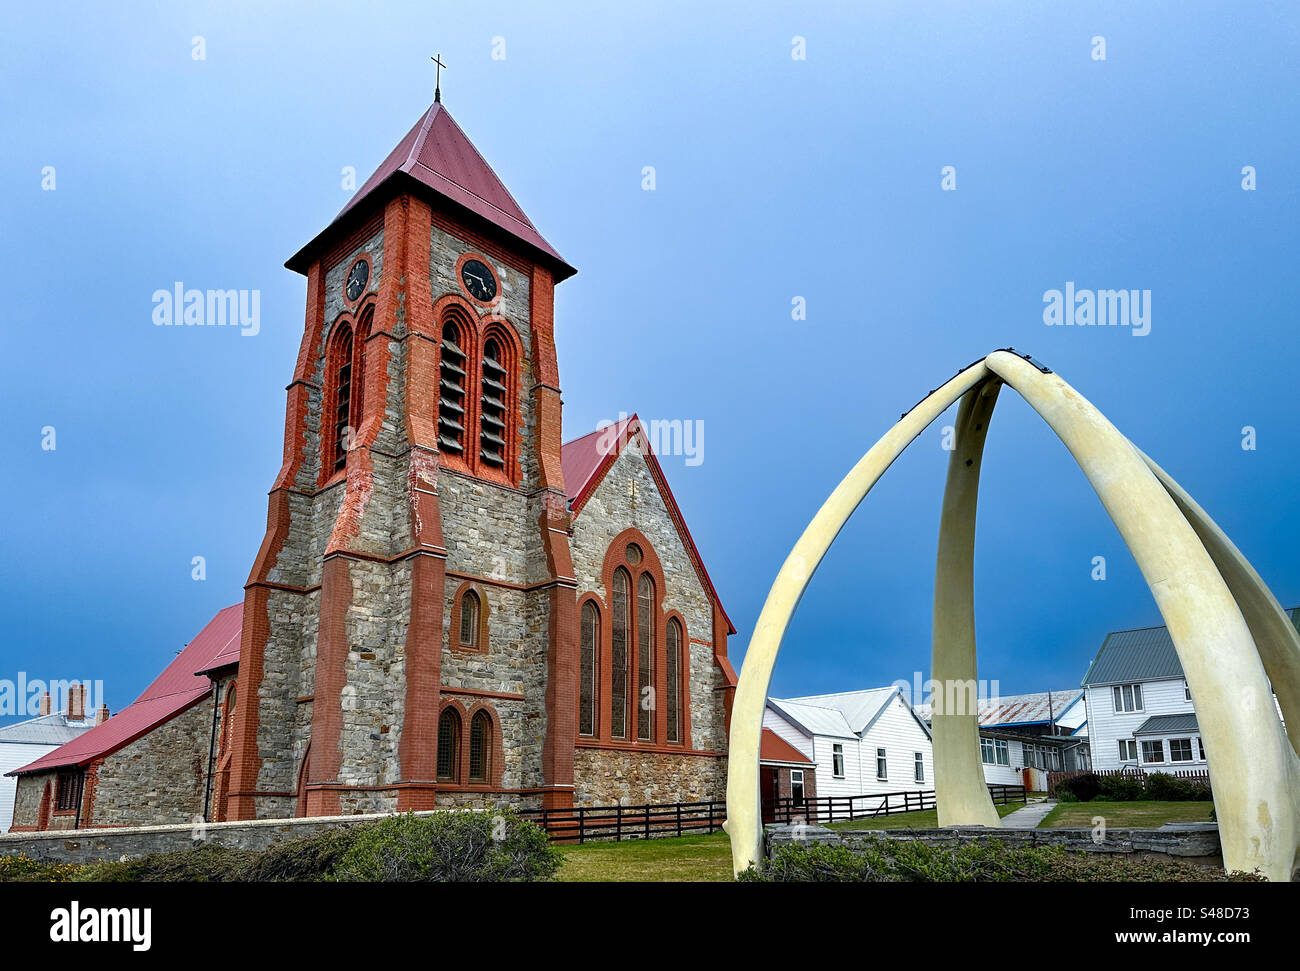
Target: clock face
358 276
479 280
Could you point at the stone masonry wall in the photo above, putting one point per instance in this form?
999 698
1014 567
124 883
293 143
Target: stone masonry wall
607 778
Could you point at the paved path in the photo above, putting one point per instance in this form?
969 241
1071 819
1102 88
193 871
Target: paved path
1030 816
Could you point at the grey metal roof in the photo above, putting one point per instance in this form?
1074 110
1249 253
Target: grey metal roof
1037 708
52 729
1144 654
1167 725
844 714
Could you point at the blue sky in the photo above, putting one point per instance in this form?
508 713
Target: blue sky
775 178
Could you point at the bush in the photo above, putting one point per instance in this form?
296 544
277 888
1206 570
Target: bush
1172 788
450 847
23 869
1082 788
883 860
1120 788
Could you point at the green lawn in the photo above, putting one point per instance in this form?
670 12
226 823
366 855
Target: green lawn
921 819
1124 815
669 860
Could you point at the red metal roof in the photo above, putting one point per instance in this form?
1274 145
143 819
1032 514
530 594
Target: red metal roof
437 155
172 692
585 461
773 748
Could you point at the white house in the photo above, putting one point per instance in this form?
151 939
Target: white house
1140 710
1036 733
24 742
861 742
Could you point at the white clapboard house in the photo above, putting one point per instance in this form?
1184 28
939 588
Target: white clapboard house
26 741
1023 737
860 742
1140 710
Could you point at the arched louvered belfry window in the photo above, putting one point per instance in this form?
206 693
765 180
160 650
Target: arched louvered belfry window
448 745
480 747
588 646
453 398
645 654
673 680
339 362
618 652
494 405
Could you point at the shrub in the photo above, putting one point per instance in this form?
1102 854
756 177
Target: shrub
1083 788
884 860
449 847
23 869
1174 788
1121 788
204 864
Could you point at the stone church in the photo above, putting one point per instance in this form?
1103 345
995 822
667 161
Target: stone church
449 607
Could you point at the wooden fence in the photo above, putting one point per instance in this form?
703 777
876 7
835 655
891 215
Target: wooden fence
1055 778
584 823
831 809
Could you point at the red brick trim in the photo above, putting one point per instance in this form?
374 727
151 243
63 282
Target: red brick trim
453 633
475 693
496 278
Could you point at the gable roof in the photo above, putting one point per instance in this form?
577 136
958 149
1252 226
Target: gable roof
1142 654
584 463
176 689
1036 708
436 158
845 714
773 748
52 729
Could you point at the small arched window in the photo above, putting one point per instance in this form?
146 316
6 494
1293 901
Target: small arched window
448 745
589 641
451 390
618 653
645 646
480 747
341 375
469 617
494 406
228 720
672 680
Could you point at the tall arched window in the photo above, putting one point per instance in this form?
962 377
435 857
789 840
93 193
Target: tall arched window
672 680
645 647
492 417
228 720
448 746
618 653
452 400
480 747
359 366
469 615
340 362
589 644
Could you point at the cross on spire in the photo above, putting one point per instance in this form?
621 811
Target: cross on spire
437 87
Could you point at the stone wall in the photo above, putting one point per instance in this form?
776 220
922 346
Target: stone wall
606 777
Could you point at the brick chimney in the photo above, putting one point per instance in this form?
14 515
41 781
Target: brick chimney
45 704
101 716
76 702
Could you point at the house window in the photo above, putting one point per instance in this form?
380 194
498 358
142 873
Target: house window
492 416
469 615
1003 751
1200 747
618 654
1180 750
480 737
1187 692
69 791
837 760
645 646
1127 697
448 745
920 766
1128 750
882 764
672 680
451 390
590 638
1153 751
796 786
987 754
